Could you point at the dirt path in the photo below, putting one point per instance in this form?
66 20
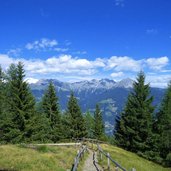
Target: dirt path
89 165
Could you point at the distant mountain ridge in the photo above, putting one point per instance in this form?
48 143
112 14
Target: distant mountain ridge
95 84
111 95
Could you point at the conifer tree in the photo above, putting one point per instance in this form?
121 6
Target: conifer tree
163 125
98 121
76 120
50 106
20 106
134 130
89 122
2 90
2 102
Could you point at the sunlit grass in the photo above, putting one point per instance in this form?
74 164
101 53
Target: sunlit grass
45 159
129 160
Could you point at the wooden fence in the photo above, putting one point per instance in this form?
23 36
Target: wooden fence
79 156
109 159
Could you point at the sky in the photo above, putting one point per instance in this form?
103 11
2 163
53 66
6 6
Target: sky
74 40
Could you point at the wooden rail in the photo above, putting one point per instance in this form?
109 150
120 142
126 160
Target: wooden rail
79 156
107 155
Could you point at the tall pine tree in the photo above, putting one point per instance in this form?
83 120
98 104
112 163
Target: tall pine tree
2 90
163 125
134 130
89 120
76 120
50 106
99 125
20 106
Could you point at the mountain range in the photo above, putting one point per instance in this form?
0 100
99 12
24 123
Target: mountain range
110 95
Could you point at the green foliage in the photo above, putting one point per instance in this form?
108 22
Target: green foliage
76 122
134 130
89 122
98 124
19 106
50 106
163 127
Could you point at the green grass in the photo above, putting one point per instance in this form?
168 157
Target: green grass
129 160
42 158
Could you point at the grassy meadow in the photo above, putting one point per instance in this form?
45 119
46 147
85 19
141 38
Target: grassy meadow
43 158
129 160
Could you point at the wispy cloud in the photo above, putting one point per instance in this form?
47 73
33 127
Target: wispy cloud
61 49
41 44
120 3
80 52
14 52
152 31
67 43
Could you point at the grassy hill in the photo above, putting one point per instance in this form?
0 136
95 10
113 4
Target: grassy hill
130 160
43 158
16 157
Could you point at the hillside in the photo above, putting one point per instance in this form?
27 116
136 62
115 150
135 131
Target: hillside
109 94
15 157
18 157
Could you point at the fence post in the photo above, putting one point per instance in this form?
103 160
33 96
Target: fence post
77 155
108 161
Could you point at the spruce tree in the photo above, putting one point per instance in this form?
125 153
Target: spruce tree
98 121
20 106
89 122
2 101
76 120
163 126
50 106
2 90
134 130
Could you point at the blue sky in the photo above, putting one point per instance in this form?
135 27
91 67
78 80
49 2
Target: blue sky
73 40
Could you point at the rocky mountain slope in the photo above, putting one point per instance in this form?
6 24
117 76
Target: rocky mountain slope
109 94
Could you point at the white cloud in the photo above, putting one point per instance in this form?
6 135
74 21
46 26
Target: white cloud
124 64
65 64
117 74
41 44
158 80
5 61
31 80
157 63
81 68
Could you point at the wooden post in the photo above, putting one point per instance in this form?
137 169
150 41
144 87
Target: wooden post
108 161
77 155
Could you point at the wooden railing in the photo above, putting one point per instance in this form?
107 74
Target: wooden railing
109 159
79 156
